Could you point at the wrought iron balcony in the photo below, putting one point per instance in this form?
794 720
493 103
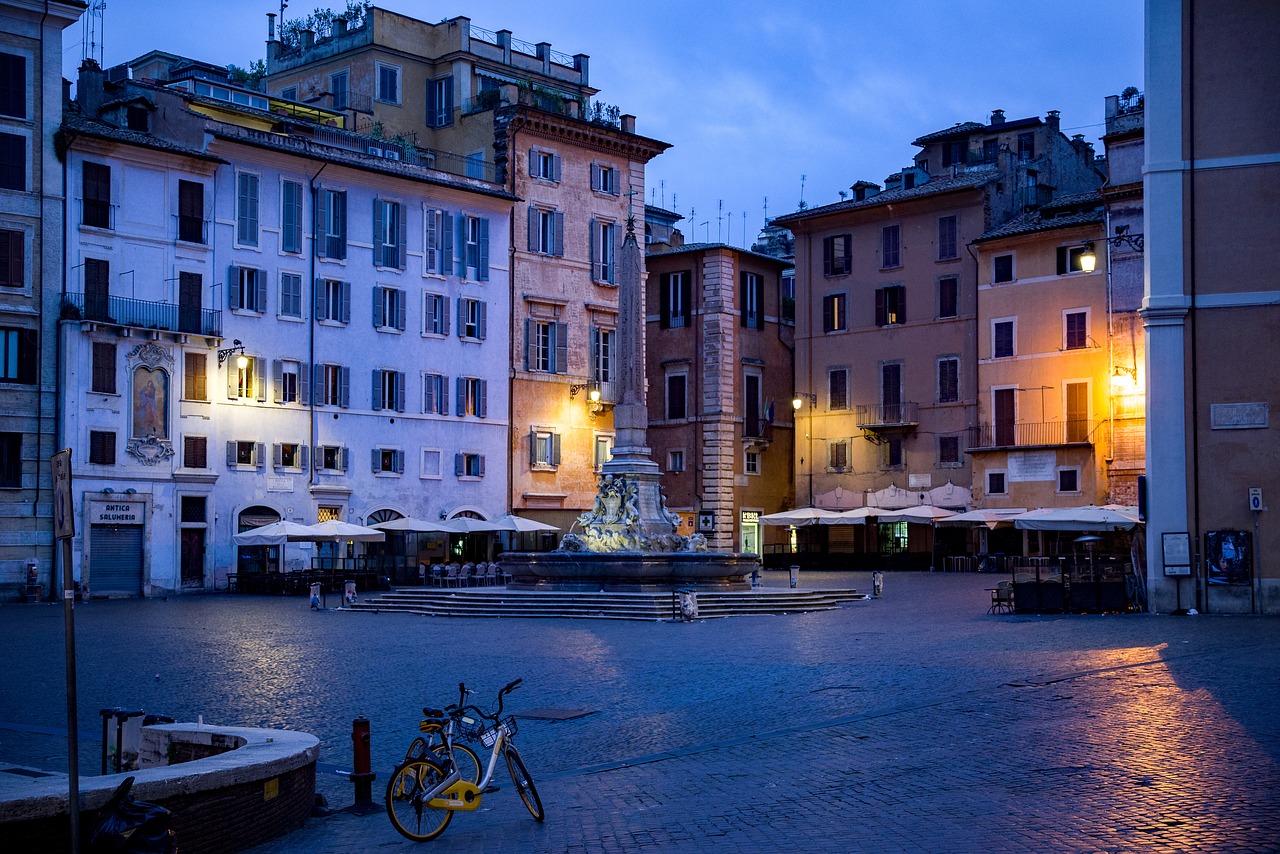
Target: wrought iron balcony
887 416
142 314
1023 434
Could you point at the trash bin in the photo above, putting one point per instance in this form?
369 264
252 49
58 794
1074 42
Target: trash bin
755 578
688 605
795 576
315 595
120 744
877 584
349 592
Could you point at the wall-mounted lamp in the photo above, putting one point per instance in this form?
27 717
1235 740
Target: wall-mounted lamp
574 388
131 491
1089 259
801 397
236 347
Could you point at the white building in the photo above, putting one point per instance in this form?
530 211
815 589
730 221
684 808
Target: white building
367 293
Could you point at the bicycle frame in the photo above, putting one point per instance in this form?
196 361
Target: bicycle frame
454 793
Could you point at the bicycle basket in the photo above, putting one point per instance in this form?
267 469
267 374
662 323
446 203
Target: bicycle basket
490 736
468 728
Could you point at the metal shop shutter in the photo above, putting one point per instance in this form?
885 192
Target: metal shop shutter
115 560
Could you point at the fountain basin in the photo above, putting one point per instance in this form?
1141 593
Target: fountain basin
629 571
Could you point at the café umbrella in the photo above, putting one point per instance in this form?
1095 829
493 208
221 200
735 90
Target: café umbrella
799 518
275 534
410 525
334 531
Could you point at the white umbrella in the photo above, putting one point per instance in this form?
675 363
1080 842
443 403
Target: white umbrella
337 531
1088 518
923 514
857 516
275 534
520 524
468 525
798 518
991 518
407 524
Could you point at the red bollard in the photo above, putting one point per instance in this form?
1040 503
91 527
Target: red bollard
362 777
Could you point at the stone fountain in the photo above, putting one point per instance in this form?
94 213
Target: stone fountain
628 539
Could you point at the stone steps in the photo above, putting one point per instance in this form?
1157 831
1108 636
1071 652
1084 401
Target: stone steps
500 602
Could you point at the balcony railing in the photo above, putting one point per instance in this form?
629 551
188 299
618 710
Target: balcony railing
1009 434
887 415
143 314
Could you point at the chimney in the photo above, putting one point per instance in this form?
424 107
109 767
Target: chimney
89 88
271 27
308 39
997 117
629 124
1052 120
339 26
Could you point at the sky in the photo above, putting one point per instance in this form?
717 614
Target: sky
783 100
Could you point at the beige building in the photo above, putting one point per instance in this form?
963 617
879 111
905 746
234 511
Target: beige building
1212 305
493 106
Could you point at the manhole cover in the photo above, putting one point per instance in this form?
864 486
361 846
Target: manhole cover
555 714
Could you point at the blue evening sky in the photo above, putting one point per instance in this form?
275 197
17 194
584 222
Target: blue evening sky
753 94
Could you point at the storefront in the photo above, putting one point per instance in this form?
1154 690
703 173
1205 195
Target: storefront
115 549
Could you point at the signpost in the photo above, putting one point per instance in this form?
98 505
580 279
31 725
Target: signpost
64 529
1176 551
1255 504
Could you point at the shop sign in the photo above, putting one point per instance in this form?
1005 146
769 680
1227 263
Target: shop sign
750 517
116 512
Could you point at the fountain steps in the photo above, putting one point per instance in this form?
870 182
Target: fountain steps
499 602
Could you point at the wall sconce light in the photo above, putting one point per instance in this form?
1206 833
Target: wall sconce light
131 491
236 347
1135 242
574 388
801 397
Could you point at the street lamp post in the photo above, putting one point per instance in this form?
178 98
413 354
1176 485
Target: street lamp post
796 403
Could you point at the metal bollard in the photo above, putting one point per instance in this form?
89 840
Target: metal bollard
362 777
877 584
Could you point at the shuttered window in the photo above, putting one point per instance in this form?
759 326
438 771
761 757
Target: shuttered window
104 367
12 259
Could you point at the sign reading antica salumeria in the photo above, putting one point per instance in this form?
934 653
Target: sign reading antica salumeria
116 512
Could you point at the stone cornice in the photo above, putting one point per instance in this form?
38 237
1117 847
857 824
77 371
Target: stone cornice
586 134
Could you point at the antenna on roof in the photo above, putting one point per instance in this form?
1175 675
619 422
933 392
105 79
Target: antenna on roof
663 186
744 229
729 230
766 210
719 217
94 29
802 205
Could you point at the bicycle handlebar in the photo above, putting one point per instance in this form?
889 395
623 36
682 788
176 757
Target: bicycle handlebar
456 711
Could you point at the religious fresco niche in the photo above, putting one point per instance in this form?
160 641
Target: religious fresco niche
150 439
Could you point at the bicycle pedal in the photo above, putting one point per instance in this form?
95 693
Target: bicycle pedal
489 790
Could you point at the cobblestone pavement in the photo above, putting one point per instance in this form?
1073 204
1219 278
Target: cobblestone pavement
916 722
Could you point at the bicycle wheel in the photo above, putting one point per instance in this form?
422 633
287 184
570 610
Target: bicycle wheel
524 784
409 813
468 762
416 747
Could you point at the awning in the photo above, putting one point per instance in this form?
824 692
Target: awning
1090 518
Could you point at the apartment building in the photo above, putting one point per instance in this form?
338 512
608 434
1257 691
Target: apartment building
1211 306
719 357
524 115
265 320
887 326
31 197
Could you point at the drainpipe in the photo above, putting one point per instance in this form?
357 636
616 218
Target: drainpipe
511 316
1202 595
311 333
38 258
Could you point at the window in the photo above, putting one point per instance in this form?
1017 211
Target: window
290 93
603 244
137 118
890 246
194 378
677 407
891 392
953 153
388 308
18 356
546 231
1002 269
990 150
1068 480
1077 408
390 234
473 245
102 447
675 296
331 224
948 247
247 289
602 342
440 102
546 346
290 216
195 452
1002 338
10 460
13 268
751 462
388 83
332 458
191 211
949 296
544 449
435 314
247 382
468 465
838 388
474 165
290 295
604 179
104 367
1075 329
335 385
753 423
246 209
289 378
835 313
13 85
996 483
544 165
789 295
388 461
473 397
751 286
1069 259
1026 146
435 394
289 455
340 90
432 459
1004 411
838 455
471 319
948 379
891 305
96 193
13 164
837 256
333 301
437 242
675 461
603 451
388 390
893 452
949 452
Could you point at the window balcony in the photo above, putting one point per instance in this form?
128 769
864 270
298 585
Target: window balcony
1024 434
142 314
887 416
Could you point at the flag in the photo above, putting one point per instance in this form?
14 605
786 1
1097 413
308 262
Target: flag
768 412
